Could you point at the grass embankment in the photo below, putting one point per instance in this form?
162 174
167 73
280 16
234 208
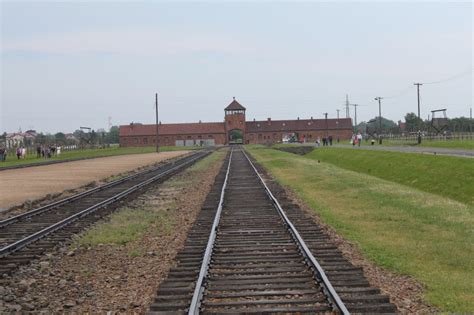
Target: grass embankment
87 153
447 176
128 225
448 144
399 227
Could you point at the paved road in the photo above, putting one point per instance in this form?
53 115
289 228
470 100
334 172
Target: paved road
413 149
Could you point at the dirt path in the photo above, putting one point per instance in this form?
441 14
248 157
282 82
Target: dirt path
20 185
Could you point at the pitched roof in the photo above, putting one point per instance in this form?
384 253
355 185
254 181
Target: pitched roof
298 125
171 129
234 106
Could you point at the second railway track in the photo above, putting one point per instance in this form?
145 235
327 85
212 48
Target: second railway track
24 237
249 253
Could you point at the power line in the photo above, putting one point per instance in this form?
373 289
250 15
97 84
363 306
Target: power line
451 78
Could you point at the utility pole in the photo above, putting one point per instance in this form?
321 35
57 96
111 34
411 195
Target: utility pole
379 98
338 110
418 92
326 121
347 107
157 133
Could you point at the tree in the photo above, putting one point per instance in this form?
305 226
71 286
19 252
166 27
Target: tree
113 135
413 123
373 125
60 138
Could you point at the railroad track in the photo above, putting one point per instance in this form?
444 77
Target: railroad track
251 253
26 236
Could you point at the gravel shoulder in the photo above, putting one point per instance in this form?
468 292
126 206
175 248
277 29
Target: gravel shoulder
27 184
112 277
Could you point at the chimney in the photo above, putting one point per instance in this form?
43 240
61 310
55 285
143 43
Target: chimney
269 121
159 122
298 118
311 117
254 119
200 121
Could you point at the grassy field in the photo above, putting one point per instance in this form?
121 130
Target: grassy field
426 235
87 153
449 144
443 175
128 225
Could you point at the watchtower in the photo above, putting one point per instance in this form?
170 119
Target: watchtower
235 123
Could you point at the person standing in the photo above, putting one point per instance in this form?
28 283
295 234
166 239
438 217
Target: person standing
359 138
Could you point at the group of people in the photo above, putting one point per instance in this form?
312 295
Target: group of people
43 151
326 141
356 139
3 154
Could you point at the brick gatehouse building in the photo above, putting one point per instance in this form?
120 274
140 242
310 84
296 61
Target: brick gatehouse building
235 129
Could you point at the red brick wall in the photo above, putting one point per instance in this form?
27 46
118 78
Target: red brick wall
168 140
309 136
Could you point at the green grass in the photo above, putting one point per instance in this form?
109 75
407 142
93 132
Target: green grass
450 144
130 224
88 153
467 144
447 176
427 236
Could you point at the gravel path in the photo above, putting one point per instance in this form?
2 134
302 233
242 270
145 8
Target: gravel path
103 278
20 185
409 149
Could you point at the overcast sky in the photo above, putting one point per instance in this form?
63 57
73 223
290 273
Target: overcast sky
66 65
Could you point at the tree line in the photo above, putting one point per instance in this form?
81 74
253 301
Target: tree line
414 124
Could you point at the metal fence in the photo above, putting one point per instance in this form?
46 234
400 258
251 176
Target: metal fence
413 137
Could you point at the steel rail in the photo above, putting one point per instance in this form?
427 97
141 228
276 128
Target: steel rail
199 289
61 224
334 298
67 200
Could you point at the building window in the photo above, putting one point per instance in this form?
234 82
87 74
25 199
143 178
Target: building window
258 125
230 122
199 137
124 140
135 140
241 122
210 136
145 140
189 137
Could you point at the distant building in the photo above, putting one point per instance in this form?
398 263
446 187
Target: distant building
17 139
71 138
234 129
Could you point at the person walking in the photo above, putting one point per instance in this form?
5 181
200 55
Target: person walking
38 151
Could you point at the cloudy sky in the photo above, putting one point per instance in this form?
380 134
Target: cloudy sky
70 64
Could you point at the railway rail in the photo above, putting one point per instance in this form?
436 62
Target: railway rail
249 252
26 236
